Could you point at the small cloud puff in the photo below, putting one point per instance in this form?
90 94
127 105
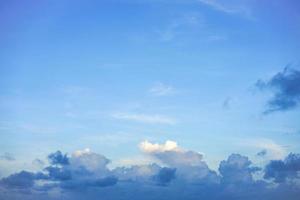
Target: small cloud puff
149 147
285 87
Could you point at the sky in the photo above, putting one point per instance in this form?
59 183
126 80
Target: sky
160 90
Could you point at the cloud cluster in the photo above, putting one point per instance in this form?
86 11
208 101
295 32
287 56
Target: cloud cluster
283 170
179 174
237 169
189 164
285 86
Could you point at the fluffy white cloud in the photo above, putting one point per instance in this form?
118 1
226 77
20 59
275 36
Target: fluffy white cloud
171 154
189 164
149 147
91 161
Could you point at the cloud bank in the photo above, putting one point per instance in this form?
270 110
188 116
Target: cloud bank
180 174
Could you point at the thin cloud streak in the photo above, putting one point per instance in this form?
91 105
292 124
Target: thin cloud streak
230 7
161 89
149 119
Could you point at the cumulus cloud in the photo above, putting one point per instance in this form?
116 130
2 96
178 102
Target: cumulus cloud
285 87
84 169
149 147
189 164
165 175
237 169
180 174
170 154
137 173
90 161
58 158
21 180
282 170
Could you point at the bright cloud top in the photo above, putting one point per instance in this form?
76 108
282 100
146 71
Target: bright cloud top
149 147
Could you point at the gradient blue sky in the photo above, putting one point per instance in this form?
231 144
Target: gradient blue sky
107 75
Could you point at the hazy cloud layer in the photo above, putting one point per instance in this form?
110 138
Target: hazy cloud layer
7 156
182 175
160 89
145 118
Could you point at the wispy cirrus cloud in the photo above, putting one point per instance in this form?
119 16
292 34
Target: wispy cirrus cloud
145 118
240 7
161 89
179 26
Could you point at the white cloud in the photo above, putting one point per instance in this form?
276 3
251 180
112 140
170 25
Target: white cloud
217 5
241 7
91 161
171 154
161 89
151 119
149 147
189 164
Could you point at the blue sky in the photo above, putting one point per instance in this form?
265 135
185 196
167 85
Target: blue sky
108 75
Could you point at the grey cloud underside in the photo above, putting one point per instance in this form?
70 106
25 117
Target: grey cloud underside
7 156
58 158
184 176
262 153
285 87
282 170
